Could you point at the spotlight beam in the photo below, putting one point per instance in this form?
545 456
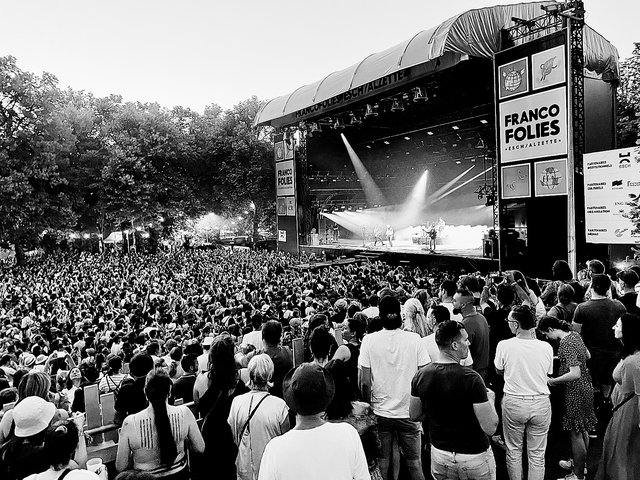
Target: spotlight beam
372 192
448 185
460 186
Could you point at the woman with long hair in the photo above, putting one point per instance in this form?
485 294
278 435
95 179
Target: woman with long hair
156 439
578 417
349 352
415 319
221 385
35 384
256 417
621 445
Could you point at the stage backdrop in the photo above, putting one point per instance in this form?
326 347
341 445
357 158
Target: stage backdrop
532 147
286 200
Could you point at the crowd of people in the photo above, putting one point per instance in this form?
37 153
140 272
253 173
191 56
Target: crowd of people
399 371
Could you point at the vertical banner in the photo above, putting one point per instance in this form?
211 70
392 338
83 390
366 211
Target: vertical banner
286 196
533 148
612 196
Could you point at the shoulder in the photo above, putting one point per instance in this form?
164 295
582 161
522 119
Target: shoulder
81 474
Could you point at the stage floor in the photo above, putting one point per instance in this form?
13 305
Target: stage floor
402 248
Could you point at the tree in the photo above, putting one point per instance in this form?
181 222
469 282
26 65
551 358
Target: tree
34 145
628 121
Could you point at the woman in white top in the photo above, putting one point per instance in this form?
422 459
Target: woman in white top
256 417
155 440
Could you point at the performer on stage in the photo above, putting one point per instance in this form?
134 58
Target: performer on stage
336 233
377 235
389 234
432 234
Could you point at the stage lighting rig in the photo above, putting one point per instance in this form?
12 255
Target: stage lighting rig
397 105
420 94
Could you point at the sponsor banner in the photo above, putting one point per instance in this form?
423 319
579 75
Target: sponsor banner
534 126
548 68
611 190
515 181
285 182
513 78
551 178
282 235
281 206
288 148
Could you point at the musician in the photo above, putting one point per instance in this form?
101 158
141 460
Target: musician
377 236
432 234
389 235
336 233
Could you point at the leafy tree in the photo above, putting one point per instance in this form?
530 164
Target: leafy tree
35 143
628 121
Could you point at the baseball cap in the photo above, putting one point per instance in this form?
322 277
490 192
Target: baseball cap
308 389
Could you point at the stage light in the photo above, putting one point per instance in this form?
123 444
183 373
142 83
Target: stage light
480 144
386 142
429 132
483 121
455 127
458 162
370 111
355 120
397 105
339 124
419 94
407 138
314 128
367 146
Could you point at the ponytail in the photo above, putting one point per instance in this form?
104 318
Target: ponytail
157 389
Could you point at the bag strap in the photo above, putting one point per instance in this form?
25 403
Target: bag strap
623 402
246 424
66 472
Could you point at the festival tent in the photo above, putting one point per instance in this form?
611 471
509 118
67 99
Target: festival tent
115 237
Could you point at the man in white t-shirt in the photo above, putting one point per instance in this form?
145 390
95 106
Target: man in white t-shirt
372 310
203 360
526 364
255 337
387 363
437 315
314 449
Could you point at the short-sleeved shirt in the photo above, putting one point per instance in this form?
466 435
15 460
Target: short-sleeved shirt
597 318
131 397
478 330
449 391
527 363
393 357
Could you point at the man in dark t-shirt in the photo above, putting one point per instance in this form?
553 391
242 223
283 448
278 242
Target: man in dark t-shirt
477 328
183 386
594 320
459 409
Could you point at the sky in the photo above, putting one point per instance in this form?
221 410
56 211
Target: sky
197 52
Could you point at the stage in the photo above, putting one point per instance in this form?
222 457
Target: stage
403 252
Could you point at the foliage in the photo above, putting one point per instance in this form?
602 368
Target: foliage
70 161
628 121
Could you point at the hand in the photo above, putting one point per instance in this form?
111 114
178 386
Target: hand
491 395
551 381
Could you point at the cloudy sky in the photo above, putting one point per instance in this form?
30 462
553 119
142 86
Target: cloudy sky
197 52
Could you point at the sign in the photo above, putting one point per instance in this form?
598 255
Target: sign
611 190
282 235
547 68
551 178
278 149
285 184
513 78
281 205
516 181
290 208
288 148
534 126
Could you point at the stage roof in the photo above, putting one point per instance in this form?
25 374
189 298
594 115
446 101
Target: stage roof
475 33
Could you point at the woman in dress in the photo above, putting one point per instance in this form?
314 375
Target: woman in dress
621 445
156 439
256 417
578 417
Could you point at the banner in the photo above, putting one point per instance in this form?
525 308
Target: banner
611 191
285 183
534 126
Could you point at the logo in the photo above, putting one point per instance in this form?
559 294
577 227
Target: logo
547 67
512 79
550 178
624 163
616 183
633 184
620 231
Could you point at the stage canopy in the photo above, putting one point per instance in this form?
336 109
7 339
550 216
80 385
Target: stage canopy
475 33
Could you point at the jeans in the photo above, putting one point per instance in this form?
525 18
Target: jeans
530 416
460 466
408 435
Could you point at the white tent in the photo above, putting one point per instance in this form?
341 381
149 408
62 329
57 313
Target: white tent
115 237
